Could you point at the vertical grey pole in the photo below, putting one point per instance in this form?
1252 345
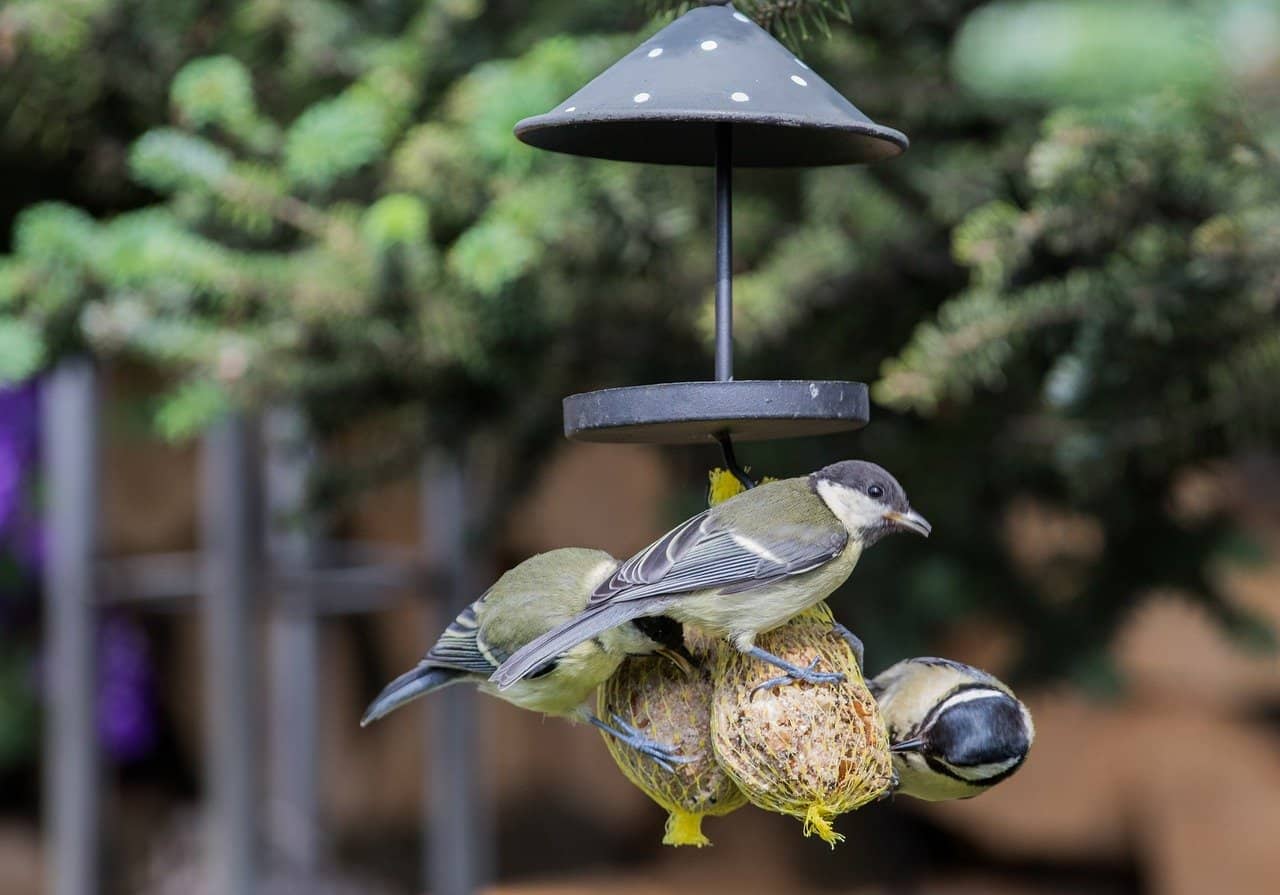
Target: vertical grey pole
724 252
724 284
69 451
456 845
227 544
293 651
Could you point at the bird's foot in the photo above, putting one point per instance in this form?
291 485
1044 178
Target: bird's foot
665 756
855 642
895 782
795 674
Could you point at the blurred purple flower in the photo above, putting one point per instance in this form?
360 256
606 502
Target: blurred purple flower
20 551
126 704
126 690
11 478
19 439
19 405
126 687
19 413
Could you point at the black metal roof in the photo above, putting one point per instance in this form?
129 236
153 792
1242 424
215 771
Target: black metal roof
661 103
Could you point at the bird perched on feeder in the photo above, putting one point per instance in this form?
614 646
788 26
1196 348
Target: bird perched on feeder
528 600
744 566
954 730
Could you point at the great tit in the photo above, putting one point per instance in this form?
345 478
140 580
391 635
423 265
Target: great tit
528 600
954 730
744 566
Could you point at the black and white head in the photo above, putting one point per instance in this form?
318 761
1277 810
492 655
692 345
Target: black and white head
665 637
968 737
867 500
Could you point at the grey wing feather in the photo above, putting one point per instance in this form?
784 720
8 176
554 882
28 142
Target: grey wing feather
653 562
462 647
532 658
699 554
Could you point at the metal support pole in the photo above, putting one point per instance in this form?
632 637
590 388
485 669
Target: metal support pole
69 451
228 538
457 841
293 650
724 252
724 284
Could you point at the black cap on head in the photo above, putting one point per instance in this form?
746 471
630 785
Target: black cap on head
867 478
883 507
662 630
988 731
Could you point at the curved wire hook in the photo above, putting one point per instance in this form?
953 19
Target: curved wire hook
731 461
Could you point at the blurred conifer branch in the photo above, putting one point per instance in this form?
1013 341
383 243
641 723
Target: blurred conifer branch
1129 246
791 20
1072 274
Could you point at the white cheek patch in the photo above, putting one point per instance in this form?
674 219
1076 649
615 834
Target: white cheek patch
983 771
913 760
854 509
971 695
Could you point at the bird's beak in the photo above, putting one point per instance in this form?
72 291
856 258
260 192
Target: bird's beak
911 521
679 656
914 745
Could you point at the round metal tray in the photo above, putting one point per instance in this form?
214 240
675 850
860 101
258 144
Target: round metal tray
697 412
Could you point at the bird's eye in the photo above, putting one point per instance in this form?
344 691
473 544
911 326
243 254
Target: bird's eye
875 492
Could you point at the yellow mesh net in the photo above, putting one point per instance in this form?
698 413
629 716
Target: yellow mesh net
722 484
810 751
657 698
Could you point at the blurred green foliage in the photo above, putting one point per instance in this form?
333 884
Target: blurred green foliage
1066 292
1088 51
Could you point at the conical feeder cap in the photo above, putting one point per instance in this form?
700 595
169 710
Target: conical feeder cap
661 103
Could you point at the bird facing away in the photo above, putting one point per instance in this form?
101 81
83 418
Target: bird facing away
955 731
528 600
744 566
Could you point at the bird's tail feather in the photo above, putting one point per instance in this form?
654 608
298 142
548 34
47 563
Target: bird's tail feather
557 641
409 686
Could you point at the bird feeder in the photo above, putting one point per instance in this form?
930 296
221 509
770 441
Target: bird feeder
713 88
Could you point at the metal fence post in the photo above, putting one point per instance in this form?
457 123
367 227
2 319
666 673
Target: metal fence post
292 649
69 450
456 844
228 535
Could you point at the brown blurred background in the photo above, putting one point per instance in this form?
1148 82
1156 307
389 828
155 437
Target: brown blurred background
1174 788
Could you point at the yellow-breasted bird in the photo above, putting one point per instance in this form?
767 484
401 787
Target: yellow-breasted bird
743 566
528 600
954 730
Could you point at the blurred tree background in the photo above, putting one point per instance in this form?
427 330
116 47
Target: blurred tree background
1065 294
